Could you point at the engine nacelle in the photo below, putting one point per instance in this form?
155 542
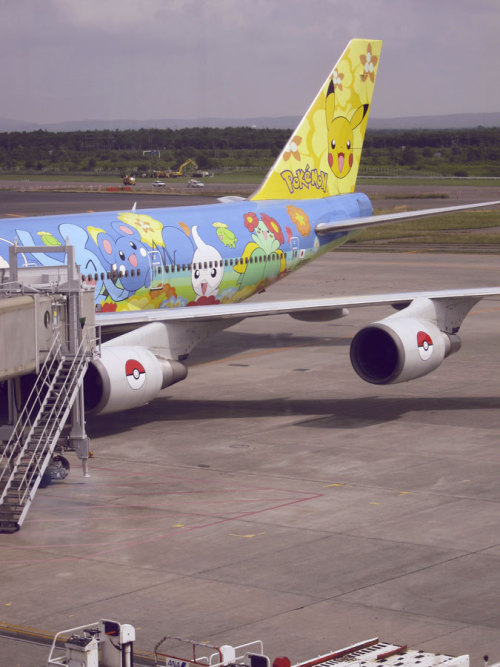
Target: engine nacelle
125 377
400 348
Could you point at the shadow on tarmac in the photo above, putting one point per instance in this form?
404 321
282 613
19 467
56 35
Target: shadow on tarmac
328 413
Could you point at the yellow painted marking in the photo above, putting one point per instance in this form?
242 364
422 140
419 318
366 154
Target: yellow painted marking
247 536
178 525
24 630
8 604
327 486
374 503
404 493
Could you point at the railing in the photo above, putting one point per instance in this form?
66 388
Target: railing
31 410
64 635
223 654
53 421
45 414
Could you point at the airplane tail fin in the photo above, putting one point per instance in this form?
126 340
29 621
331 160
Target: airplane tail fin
323 154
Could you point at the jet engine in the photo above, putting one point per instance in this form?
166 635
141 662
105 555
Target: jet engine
125 377
400 348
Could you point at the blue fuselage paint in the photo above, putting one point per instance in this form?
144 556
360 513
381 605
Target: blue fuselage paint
188 255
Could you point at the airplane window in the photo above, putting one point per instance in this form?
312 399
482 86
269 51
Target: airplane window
138 272
177 267
183 267
189 267
246 260
205 265
209 265
167 269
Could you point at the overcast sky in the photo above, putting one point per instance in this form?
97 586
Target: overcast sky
146 59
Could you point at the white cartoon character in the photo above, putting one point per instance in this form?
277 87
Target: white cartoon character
206 272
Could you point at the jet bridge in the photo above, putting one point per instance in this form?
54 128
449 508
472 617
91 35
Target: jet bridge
48 338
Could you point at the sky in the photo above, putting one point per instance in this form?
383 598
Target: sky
150 59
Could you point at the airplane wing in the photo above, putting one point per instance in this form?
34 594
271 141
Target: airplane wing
372 220
313 309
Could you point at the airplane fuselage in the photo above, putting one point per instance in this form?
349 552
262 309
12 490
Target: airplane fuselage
185 256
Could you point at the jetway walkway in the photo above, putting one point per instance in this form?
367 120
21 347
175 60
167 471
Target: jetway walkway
48 339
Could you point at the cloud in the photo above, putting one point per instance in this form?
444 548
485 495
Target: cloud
173 58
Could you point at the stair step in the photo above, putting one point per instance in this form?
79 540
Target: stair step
9 526
41 434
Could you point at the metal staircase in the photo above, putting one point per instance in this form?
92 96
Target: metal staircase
35 436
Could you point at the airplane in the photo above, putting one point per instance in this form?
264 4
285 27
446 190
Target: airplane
166 278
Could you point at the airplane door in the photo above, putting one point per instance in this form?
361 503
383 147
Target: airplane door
157 269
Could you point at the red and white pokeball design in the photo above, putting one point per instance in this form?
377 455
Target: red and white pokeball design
425 345
136 373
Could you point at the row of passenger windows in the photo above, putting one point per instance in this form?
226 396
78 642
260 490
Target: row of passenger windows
172 268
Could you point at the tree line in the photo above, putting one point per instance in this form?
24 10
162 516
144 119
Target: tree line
469 151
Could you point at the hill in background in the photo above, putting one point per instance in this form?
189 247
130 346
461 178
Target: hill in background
448 121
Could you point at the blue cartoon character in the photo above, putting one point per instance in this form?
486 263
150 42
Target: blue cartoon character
206 272
125 256
263 260
93 270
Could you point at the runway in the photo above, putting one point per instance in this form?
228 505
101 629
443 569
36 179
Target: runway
274 495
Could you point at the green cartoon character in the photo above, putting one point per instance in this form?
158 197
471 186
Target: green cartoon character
263 260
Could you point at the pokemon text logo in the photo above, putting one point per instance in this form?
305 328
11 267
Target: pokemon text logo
304 179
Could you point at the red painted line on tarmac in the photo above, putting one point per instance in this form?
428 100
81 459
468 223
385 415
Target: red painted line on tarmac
136 542
209 525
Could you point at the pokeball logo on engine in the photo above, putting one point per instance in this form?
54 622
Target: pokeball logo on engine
425 345
136 373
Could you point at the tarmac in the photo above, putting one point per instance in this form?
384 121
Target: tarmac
274 495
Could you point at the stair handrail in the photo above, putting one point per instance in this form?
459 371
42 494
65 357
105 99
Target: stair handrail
34 401
56 419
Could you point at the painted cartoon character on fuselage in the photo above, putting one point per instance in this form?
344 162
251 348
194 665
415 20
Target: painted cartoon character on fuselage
341 135
263 260
126 257
93 271
206 272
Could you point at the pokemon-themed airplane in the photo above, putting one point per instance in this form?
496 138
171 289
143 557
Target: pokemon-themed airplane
167 278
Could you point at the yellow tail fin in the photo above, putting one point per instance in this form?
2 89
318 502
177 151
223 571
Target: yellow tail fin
323 155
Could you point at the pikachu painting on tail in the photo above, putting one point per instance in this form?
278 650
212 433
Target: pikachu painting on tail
322 158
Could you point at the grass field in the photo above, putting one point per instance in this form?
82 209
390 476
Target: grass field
468 227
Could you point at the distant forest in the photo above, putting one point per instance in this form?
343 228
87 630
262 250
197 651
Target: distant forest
468 152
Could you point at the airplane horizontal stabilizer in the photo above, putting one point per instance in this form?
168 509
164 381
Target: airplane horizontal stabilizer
372 220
